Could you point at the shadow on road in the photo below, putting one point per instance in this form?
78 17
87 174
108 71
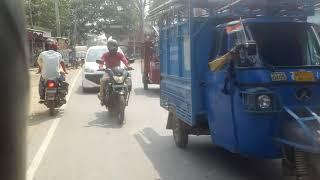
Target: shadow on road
104 120
89 91
152 92
202 161
38 118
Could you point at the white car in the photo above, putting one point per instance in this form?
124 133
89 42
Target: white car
91 75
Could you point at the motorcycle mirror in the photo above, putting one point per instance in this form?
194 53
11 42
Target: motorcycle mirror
99 62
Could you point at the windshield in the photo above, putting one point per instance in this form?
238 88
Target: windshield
95 54
286 44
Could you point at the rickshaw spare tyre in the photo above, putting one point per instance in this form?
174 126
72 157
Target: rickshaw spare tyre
180 133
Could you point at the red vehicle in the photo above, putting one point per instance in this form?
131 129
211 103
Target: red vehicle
150 65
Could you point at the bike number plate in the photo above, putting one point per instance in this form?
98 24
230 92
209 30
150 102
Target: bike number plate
50 95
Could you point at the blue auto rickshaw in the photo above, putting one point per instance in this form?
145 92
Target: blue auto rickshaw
263 100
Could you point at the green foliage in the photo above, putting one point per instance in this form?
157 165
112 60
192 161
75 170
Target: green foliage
43 15
90 16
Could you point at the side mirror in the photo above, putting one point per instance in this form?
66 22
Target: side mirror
247 53
248 49
99 62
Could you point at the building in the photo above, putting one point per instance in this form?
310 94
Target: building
36 38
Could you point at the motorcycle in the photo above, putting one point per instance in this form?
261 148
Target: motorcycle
117 91
55 93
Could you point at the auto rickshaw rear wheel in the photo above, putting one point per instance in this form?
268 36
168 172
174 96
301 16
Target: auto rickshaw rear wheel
180 133
52 111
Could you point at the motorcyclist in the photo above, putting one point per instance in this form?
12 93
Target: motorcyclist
111 59
50 62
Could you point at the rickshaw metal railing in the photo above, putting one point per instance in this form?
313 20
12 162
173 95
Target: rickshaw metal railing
313 138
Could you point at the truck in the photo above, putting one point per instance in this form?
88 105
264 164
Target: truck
245 72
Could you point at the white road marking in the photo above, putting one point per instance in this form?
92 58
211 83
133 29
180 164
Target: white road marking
38 157
45 143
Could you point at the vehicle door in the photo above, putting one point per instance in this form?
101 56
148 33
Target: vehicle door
219 93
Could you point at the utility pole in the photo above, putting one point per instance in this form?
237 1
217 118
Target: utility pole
75 32
56 5
142 4
30 13
32 40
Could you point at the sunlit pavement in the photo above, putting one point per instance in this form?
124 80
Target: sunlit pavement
39 121
87 144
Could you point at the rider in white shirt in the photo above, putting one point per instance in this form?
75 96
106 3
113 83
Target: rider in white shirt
50 64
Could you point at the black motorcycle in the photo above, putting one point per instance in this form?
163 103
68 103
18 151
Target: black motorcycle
55 93
117 91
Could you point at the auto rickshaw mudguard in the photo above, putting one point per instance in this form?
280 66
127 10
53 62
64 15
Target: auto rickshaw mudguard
302 130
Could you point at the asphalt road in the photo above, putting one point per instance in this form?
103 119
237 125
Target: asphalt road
84 143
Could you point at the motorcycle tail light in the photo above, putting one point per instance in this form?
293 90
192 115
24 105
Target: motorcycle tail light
51 84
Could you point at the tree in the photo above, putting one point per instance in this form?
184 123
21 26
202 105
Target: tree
156 3
88 16
43 15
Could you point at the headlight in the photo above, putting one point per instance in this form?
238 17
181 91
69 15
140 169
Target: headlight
118 79
88 70
264 101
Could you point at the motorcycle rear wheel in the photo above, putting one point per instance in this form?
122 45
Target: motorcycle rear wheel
51 111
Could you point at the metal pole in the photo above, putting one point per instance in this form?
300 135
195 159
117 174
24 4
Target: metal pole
142 14
56 5
134 45
32 41
30 13
75 28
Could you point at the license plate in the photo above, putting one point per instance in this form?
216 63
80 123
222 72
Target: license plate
50 97
304 76
119 86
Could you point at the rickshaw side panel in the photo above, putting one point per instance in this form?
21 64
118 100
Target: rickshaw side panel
202 41
220 116
184 55
175 70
